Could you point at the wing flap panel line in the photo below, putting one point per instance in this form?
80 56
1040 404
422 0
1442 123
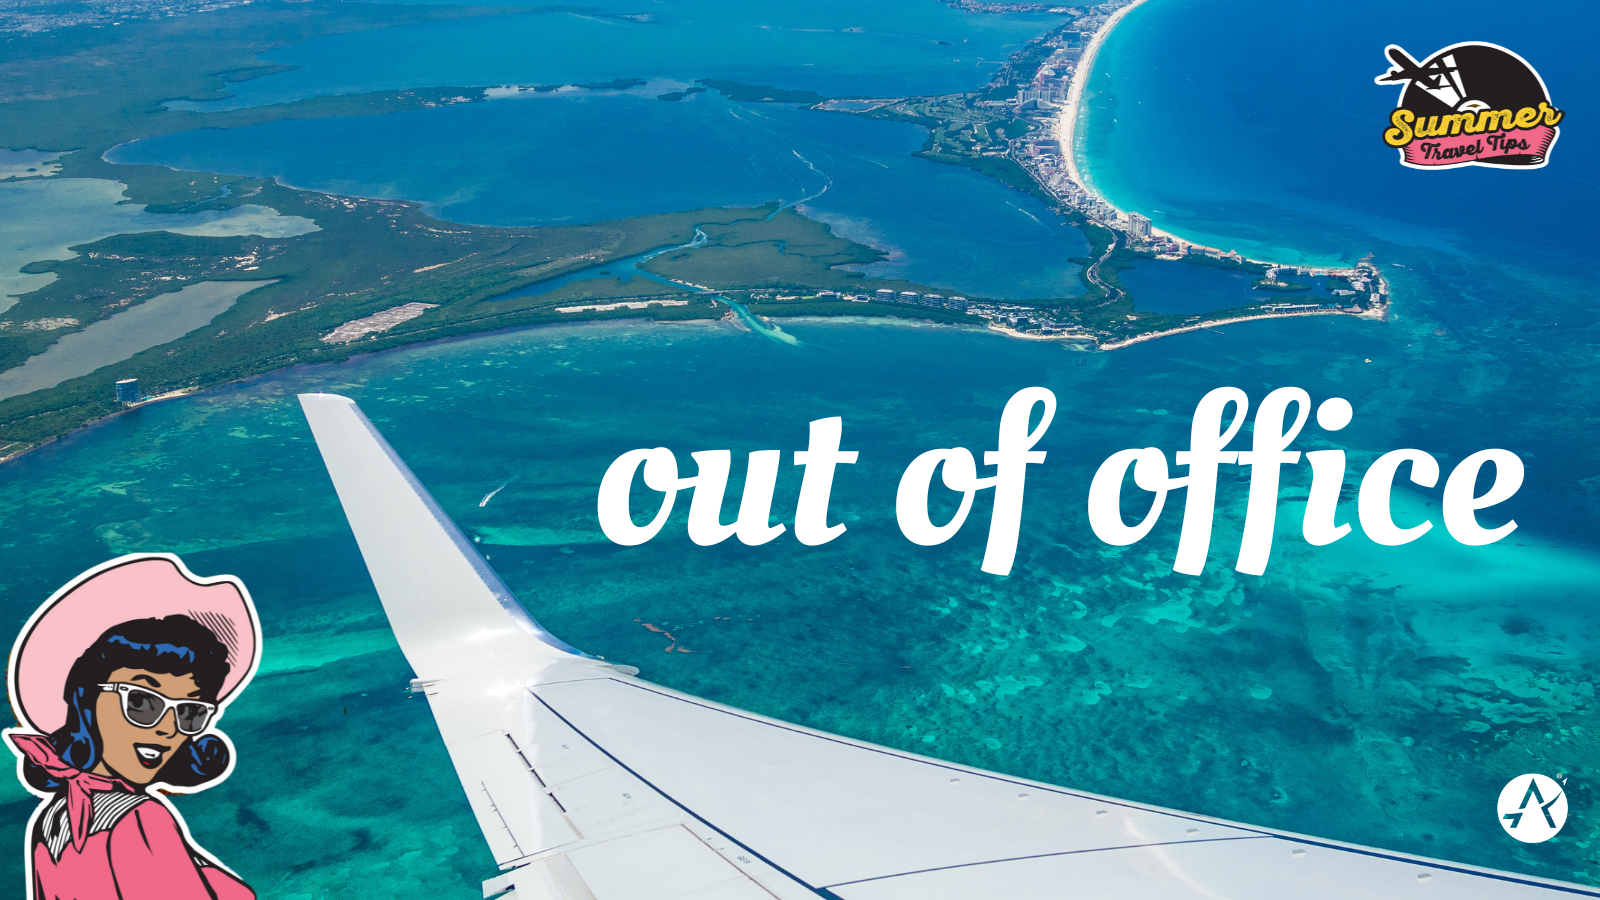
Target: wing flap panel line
554 878
514 812
689 812
598 798
670 863
665 863
1267 868
517 817
643 685
577 771
1015 859
828 811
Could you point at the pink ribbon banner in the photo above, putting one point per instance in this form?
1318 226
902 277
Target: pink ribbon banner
1465 148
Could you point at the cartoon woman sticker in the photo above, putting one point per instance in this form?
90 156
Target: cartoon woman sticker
121 676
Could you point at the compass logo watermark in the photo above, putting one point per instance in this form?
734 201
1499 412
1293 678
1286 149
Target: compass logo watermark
1532 808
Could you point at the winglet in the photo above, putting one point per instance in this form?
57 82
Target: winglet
449 610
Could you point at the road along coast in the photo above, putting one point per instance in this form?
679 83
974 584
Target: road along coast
1209 325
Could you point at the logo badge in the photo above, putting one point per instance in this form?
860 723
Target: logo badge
1532 808
1470 104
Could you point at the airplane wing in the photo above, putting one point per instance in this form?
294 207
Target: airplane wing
592 784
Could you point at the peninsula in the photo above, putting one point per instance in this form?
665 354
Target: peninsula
1023 130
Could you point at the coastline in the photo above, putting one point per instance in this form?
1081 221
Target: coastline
1066 134
1136 232
1067 122
1378 315
1020 130
996 132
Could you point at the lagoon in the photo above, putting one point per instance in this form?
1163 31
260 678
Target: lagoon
27 164
1181 287
162 318
591 156
44 218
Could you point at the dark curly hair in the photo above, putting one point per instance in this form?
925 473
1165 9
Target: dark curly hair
174 645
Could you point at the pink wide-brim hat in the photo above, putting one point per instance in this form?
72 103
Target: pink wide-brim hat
142 586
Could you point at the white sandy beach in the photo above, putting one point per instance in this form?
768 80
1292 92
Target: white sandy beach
1067 133
1067 123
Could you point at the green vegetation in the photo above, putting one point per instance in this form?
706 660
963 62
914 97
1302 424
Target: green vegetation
1026 64
1001 168
786 251
85 90
741 92
962 133
674 96
1000 92
1238 265
875 309
369 256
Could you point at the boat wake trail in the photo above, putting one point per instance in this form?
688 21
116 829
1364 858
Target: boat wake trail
1030 215
813 167
490 496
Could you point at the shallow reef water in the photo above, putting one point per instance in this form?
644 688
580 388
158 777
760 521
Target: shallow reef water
1373 694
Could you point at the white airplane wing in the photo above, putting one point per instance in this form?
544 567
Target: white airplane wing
592 784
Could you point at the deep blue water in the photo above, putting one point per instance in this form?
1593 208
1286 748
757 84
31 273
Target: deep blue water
838 48
1255 124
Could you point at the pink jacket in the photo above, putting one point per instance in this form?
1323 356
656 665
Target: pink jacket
143 856
101 838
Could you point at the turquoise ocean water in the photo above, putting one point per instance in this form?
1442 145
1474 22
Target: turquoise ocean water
1370 694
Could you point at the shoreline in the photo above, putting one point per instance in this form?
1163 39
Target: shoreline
1066 134
1021 131
1377 315
1080 195
10 455
1071 321
1067 122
